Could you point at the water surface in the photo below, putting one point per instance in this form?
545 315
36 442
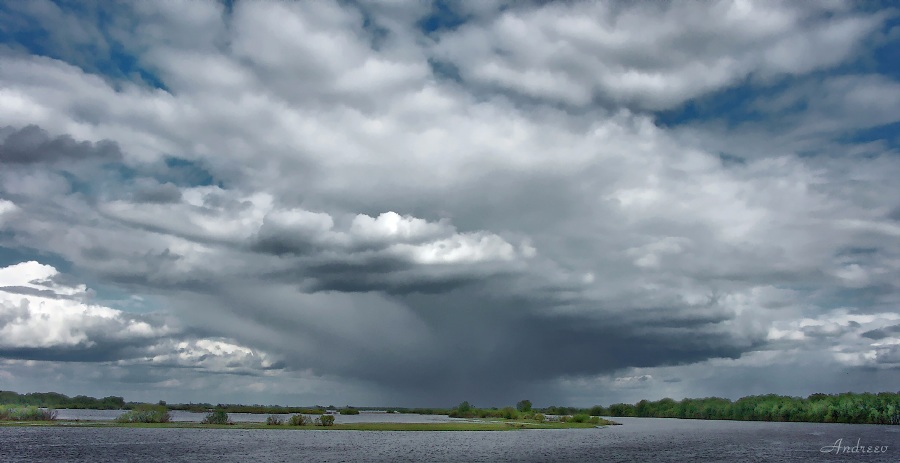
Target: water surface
638 440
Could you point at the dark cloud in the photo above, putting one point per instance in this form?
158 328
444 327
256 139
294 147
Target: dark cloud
33 145
475 333
889 355
24 290
895 214
882 333
157 193
382 273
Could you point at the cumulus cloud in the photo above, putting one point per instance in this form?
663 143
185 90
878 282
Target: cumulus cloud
391 226
39 312
44 318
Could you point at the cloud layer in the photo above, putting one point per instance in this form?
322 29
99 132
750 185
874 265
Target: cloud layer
406 204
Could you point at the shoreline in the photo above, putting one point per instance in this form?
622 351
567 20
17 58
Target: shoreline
448 426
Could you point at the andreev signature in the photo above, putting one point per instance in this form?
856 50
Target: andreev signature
839 448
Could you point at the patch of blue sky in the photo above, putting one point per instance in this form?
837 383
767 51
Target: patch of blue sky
184 172
229 6
109 176
103 55
444 70
126 301
11 256
889 133
731 106
736 105
122 171
76 185
749 103
443 17
886 51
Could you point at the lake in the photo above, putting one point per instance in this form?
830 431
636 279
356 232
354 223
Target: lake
638 440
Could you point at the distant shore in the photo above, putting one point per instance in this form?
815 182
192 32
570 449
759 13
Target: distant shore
473 425
848 407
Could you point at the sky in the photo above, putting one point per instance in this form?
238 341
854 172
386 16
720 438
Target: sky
414 203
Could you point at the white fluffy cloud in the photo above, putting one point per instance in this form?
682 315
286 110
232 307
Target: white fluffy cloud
38 313
57 315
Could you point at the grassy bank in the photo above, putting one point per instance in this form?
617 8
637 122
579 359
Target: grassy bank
475 425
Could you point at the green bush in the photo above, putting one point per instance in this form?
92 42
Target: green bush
26 413
580 418
539 417
325 420
509 413
595 420
349 411
298 420
145 413
274 420
217 417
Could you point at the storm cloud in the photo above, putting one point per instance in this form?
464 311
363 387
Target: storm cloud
372 203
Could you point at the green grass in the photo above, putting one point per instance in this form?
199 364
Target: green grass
478 425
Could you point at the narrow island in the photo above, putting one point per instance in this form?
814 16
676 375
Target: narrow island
40 409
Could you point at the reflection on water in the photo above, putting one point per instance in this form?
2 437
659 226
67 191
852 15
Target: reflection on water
638 440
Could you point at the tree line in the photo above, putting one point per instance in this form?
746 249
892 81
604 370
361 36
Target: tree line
865 408
57 400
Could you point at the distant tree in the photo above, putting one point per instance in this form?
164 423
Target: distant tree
523 406
464 407
621 410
